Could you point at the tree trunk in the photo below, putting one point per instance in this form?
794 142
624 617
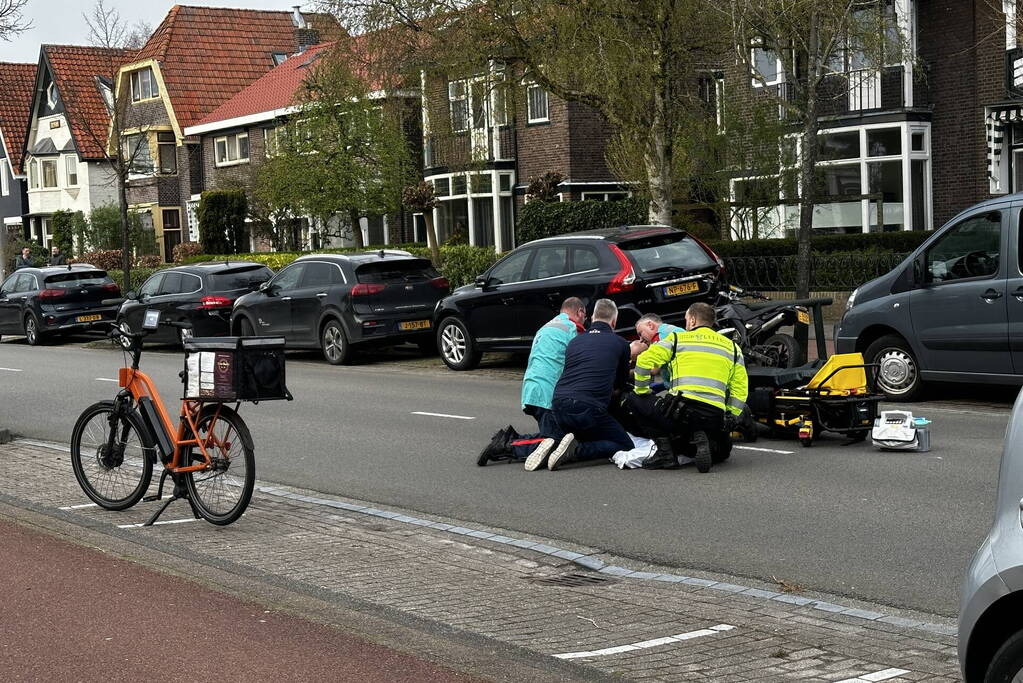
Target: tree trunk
122 200
354 217
431 238
657 160
808 163
4 239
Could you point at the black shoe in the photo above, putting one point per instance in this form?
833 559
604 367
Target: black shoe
664 457
497 449
702 455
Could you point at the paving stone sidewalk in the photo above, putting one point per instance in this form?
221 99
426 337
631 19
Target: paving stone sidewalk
608 614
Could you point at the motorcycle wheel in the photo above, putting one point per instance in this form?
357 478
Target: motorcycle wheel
786 349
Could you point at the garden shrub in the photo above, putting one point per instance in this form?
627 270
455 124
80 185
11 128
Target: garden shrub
546 219
221 215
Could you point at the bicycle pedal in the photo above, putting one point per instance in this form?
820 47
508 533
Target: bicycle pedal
150 499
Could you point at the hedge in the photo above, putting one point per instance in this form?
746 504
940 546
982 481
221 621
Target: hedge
138 276
462 263
887 242
546 219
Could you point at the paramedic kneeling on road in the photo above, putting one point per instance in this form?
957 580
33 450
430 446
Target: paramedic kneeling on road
707 378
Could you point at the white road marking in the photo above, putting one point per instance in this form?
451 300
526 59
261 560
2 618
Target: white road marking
169 521
106 379
763 450
876 676
453 417
11 369
79 507
657 642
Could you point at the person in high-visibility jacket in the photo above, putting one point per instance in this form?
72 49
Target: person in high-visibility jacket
707 378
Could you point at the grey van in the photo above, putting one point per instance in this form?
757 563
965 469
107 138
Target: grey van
952 311
991 606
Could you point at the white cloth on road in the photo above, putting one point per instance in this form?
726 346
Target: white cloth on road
642 450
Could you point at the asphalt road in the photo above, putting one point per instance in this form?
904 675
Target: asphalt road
898 529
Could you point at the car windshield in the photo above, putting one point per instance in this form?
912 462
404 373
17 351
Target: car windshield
78 278
663 253
397 271
240 278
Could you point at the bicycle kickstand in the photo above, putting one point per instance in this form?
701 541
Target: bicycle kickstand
180 491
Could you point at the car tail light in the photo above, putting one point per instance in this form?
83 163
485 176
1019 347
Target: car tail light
367 289
51 294
112 287
625 279
710 253
440 283
209 302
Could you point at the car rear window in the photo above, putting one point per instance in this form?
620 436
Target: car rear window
239 278
394 272
666 252
78 278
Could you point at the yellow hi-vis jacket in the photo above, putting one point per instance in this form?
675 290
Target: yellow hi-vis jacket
703 366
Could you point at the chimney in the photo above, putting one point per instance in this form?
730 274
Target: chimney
305 34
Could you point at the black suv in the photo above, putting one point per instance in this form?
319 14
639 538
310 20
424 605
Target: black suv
38 302
644 269
201 294
335 301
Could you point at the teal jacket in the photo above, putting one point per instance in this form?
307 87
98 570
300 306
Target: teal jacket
546 361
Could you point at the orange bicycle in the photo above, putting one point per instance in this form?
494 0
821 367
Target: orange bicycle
208 454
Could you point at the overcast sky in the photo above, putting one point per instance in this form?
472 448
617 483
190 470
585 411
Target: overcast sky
60 21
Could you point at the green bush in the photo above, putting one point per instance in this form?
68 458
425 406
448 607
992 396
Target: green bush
462 263
138 276
66 225
221 215
38 252
546 219
888 242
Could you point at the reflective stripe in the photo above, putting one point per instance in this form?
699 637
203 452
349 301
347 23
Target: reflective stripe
557 324
665 344
707 348
644 372
643 382
701 382
739 358
713 399
736 403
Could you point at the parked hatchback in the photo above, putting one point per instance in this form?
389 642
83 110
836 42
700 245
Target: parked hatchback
644 269
991 606
40 302
202 294
952 311
335 302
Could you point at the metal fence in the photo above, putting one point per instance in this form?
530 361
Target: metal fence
841 272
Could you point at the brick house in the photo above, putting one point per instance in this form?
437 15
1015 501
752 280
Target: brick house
486 135
67 125
197 59
924 138
16 81
255 115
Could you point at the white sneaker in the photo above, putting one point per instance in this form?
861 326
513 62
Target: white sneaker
539 455
563 453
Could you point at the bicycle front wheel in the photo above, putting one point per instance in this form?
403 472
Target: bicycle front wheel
222 491
113 472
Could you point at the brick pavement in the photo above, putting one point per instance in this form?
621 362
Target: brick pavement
611 615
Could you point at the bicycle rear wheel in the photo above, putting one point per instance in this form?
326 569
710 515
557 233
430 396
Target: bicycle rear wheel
114 478
222 492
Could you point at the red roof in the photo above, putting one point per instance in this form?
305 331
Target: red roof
75 70
208 54
276 90
16 84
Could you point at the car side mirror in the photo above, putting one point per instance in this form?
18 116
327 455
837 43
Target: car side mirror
481 281
266 288
256 286
131 295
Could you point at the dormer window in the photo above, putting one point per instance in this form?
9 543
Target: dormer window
143 85
279 57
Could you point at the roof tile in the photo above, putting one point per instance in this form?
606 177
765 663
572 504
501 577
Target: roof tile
17 84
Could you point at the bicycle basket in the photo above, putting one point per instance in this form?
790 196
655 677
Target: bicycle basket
235 369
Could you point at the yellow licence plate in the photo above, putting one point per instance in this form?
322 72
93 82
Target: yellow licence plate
682 288
414 325
88 318
803 317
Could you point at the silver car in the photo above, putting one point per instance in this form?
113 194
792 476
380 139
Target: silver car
991 611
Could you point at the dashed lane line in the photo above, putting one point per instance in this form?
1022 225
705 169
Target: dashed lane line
884 675
169 521
762 450
656 642
106 379
79 507
453 417
11 369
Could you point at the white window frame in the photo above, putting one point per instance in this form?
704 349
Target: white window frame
758 79
33 174
530 117
133 158
70 170
5 183
231 156
141 80
494 196
1009 9
51 95
271 141
42 174
173 144
465 104
602 196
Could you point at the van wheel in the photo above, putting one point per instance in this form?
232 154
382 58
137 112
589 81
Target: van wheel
898 373
457 348
336 348
1007 664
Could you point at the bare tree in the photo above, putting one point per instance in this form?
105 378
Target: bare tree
818 45
12 24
